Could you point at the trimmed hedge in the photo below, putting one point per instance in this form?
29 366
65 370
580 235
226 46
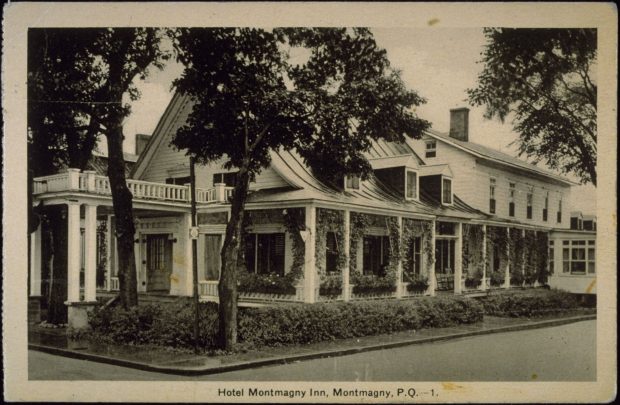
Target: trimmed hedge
529 304
301 324
172 325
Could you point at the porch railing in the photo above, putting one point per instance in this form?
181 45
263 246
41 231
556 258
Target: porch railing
89 182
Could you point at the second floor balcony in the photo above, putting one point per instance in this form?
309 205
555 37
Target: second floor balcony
89 182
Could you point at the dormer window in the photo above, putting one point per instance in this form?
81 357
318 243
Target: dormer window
411 185
352 182
446 191
431 149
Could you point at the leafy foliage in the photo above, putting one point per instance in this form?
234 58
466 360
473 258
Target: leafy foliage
251 97
545 79
171 325
266 283
535 303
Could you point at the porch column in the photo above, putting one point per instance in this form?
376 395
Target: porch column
483 285
35 262
523 254
90 251
108 262
432 281
399 265
310 257
458 259
346 296
73 252
507 273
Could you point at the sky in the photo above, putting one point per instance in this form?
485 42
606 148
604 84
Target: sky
439 63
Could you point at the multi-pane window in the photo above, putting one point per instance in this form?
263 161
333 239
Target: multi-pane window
551 257
352 182
264 253
492 196
212 262
446 191
414 257
511 201
530 198
431 149
411 185
226 178
331 253
578 256
546 207
376 255
559 216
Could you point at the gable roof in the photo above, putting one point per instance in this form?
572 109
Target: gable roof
490 154
169 117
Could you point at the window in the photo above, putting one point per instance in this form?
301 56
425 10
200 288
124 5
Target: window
352 182
551 252
213 245
331 253
559 217
179 181
578 256
445 228
492 196
227 178
411 185
511 201
264 253
431 149
546 207
376 255
446 191
530 198
413 262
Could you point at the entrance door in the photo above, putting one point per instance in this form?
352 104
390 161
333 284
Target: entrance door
444 263
158 262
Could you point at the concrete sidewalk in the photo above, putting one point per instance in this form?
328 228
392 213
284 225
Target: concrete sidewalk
54 341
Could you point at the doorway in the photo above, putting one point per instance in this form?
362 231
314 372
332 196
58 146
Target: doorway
158 263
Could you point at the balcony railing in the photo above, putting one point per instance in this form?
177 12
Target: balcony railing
91 183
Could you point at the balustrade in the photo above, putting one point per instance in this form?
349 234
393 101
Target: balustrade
72 180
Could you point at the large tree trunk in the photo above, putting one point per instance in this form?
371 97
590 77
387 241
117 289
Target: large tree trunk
227 287
57 237
123 211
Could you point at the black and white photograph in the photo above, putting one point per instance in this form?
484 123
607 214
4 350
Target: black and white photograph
309 202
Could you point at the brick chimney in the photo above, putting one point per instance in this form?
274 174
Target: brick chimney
459 123
141 141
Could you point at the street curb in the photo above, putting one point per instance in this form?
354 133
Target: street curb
194 371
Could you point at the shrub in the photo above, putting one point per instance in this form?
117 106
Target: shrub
497 278
516 279
171 325
271 283
331 285
418 284
302 324
535 303
473 281
371 284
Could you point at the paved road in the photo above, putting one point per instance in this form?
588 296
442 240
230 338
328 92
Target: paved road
562 353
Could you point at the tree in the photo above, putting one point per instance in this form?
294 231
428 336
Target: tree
83 101
250 98
58 136
546 79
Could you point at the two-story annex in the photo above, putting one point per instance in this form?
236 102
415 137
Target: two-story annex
439 215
